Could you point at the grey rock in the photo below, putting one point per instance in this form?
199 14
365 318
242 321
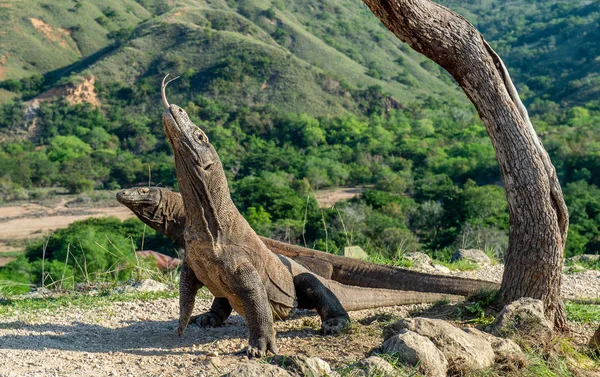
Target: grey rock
146 285
375 366
257 370
442 269
304 366
419 260
589 258
476 256
503 348
523 318
355 252
39 292
417 350
462 351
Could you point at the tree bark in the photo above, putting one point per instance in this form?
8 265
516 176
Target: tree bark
538 214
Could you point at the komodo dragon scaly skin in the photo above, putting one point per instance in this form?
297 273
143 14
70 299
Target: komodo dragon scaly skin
229 258
162 210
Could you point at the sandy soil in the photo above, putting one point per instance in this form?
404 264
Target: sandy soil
28 227
19 223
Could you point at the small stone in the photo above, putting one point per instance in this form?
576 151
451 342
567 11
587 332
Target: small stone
419 260
257 370
213 354
416 350
355 252
442 269
523 318
305 366
479 257
503 348
374 366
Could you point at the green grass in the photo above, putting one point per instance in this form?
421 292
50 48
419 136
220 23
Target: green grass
73 32
583 312
460 265
309 65
396 262
83 301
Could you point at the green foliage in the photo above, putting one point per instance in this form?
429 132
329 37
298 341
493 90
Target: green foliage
93 249
265 83
83 301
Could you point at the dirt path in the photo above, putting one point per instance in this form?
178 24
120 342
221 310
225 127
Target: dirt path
19 223
33 227
327 198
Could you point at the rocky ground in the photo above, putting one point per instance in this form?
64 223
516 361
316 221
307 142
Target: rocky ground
137 338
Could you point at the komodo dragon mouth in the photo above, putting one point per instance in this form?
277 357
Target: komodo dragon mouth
140 196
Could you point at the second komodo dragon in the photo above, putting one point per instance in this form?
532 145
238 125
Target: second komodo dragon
227 256
162 210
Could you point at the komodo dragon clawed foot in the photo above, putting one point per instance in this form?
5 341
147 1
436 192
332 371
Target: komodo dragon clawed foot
260 346
335 325
207 319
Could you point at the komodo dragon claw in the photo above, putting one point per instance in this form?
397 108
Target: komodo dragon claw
334 325
208 319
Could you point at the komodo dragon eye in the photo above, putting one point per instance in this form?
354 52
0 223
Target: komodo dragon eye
200 136
208 166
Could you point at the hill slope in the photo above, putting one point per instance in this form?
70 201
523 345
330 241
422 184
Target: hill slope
300 55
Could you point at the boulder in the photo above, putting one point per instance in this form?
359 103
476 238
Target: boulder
304 366
416 350
374 366
355 252
442 269
250 369
419 260
476 256
462 351
595 341
523 318
589 258
146 285
503 348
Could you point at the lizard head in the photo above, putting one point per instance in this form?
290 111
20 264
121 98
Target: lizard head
140 199
190 144
200 174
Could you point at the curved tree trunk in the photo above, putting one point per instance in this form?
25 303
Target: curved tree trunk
538 214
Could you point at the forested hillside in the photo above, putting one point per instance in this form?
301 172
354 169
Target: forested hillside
297 96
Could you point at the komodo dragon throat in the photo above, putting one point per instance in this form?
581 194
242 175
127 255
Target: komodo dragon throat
162 210
229 258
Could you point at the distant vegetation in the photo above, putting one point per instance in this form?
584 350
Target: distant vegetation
297 97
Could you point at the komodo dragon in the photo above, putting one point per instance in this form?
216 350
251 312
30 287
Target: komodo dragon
229 258
162 210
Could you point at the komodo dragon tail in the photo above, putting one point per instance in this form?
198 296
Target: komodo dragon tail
358 298
355 272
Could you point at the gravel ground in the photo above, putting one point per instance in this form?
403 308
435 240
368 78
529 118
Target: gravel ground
580 285
137 338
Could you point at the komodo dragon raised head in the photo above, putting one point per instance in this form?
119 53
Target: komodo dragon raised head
227 256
